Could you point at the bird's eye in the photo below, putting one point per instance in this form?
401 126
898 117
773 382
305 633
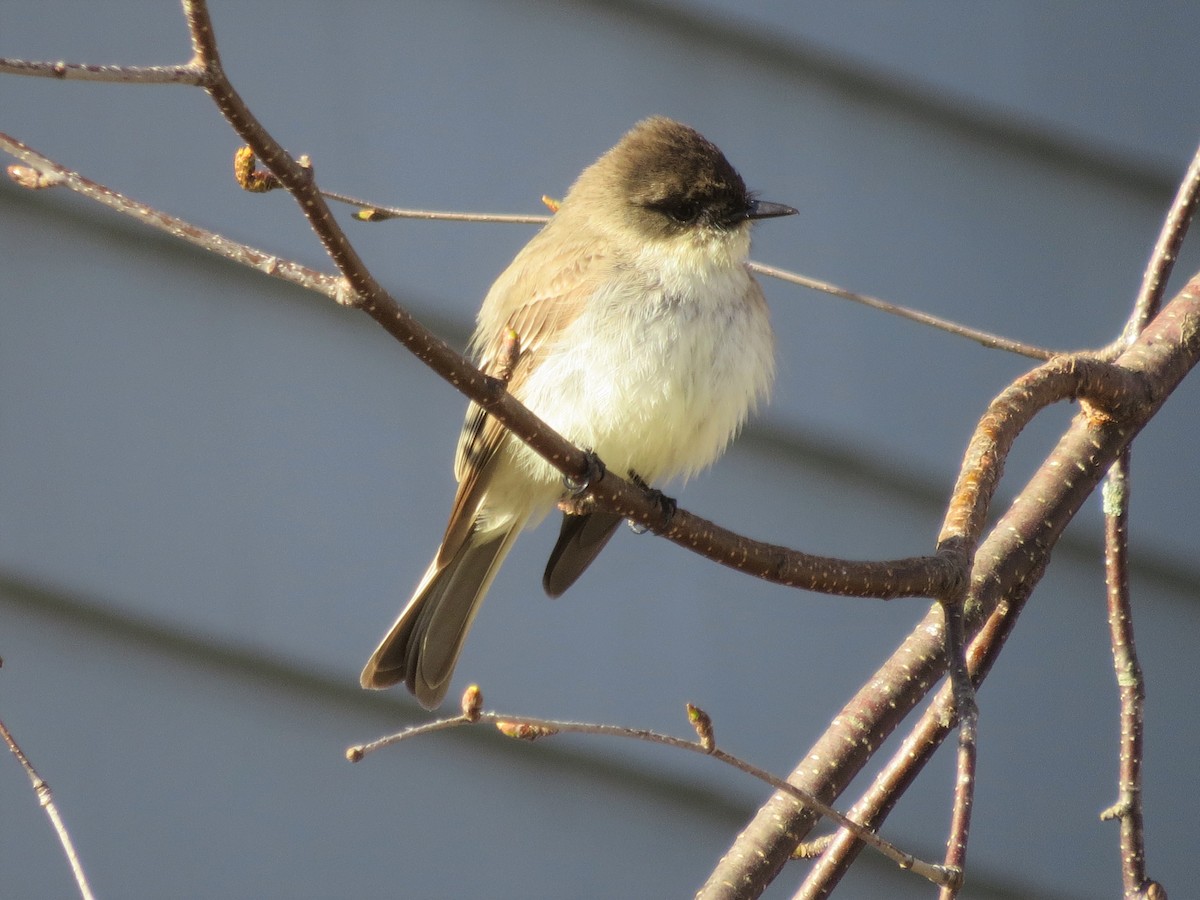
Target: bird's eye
682 211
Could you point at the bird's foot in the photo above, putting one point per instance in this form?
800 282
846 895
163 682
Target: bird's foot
595 471
666 505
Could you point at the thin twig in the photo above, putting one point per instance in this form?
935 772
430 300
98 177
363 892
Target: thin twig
982 337
201 71
964 801
45 173
966 711
530 728
374 213
1131 684
1130 679
188 73
46 799
1164 255
371 212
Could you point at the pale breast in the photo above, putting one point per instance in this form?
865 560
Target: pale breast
658 381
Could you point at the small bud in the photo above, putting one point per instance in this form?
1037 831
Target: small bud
248 177
32 179
524 732
354 754
472 703
704 727
812 849
551 203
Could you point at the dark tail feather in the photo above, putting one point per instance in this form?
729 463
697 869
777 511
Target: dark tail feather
423 645
579 542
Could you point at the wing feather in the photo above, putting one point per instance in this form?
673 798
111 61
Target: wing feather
556 295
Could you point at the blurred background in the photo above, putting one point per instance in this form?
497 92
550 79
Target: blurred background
216 490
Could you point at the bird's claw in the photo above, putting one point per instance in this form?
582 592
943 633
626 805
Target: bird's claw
595 471
666 505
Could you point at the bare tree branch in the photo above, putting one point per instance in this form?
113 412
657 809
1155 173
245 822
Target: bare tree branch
1009 563
188 73
44 173
1131 684
46 800
974 334
1130 678
1164 255
528 728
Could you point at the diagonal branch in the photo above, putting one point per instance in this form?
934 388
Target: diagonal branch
918 576
985 338
1009 563
43 173
46 799
1164 254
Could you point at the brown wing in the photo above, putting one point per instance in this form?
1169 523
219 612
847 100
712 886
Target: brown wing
557 292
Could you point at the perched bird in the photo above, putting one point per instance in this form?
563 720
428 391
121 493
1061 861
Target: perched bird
632 327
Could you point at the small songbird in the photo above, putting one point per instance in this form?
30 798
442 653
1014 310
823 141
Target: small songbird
631 325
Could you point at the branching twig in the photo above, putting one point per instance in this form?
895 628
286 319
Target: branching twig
1008 564
201 71
915 751
911 577
527 728
1130 681
1107 387
1164 255
46 799
974 334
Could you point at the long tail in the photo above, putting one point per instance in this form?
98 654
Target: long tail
423 646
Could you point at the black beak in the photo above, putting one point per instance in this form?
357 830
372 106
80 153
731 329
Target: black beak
761 209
